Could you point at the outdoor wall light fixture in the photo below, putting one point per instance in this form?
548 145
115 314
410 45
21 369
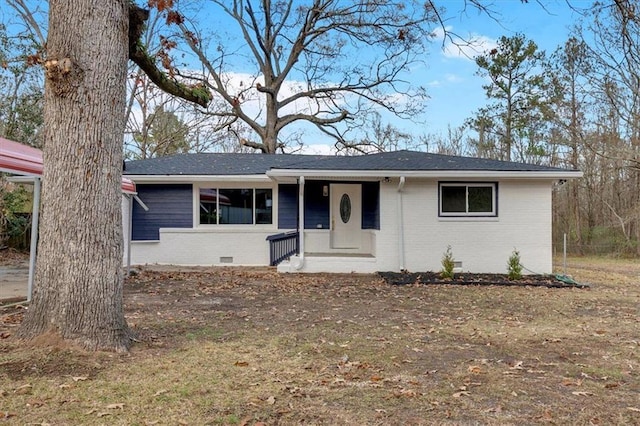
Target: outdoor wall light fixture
325 190
387 180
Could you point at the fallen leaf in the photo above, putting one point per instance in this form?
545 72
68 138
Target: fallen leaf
582 393
24 390
116 406
79 378
410 393
241 364
6 415
475 369
35 403
517 366
271 400
160 392
637 410
376 378
570 382
611 385
104 414
461 393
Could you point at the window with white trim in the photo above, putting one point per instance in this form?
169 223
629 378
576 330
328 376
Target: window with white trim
468 199
237 206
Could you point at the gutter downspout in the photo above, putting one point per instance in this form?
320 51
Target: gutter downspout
35 219
401 224
299 263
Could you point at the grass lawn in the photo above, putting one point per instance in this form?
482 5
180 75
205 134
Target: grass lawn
250 347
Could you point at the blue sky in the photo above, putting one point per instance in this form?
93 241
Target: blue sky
455 91
449 76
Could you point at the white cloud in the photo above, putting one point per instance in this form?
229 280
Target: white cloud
467 47
318 149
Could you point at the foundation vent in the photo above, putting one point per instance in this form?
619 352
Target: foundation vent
226 259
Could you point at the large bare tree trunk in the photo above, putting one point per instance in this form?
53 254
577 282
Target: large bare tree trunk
78 282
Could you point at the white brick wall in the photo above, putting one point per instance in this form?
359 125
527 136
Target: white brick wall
481 244
204 247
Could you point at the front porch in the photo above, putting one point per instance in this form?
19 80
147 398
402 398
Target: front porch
335 225
318 254
334 262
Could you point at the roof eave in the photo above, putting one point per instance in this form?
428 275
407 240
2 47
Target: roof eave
510 174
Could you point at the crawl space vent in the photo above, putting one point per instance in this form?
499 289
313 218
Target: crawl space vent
226 259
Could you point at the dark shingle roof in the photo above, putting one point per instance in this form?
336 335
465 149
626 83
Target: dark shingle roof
254 164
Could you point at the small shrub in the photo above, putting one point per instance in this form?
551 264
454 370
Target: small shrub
514 268
447 264
12 222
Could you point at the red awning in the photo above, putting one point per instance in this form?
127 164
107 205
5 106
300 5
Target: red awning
19 159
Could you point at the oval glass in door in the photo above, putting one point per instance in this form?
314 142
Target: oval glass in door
345 208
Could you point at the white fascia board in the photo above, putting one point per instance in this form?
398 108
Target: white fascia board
196 178
438 174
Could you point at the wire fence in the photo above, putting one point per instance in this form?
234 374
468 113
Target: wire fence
605 245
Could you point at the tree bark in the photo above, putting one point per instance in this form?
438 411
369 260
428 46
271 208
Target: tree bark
78 282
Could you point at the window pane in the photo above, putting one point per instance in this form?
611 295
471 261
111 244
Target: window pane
208 213
454 199
480 199
236 206
264 203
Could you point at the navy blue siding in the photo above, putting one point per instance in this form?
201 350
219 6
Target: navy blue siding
316 209
170 206
288 206
317 206
370 205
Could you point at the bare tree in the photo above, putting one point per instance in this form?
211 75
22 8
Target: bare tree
323 62
613 37
376 136
21 82
182 126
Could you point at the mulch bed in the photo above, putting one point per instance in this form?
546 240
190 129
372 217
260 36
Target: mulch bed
551 281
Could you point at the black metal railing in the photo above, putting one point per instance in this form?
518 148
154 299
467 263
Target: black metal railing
283 246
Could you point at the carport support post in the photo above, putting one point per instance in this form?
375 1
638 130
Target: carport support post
35 217
129 233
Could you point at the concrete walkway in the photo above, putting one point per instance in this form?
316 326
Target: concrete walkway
13 282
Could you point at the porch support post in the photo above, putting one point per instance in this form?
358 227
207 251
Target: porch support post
35 219
300 261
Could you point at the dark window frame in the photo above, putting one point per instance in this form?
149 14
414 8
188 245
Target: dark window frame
219 191
467 213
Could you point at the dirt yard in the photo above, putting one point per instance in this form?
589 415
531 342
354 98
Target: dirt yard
252 347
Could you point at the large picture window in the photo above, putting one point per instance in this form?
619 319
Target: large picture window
468 199
243 206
